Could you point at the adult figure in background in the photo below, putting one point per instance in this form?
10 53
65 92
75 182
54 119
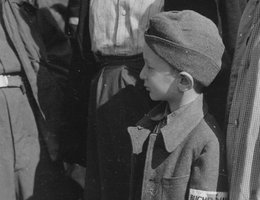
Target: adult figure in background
26 84
22 66
230 13
51 16
19 135
243 148
110 37
73 139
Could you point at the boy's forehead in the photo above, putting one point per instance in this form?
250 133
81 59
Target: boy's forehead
146 50
152 59
150 55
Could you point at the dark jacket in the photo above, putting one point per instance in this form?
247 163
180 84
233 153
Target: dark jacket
183 151
207 8
73 8
109 146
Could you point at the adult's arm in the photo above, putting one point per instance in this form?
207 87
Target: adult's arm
72 16
230 14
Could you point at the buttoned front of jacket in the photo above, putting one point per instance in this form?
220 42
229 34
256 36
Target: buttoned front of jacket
187 153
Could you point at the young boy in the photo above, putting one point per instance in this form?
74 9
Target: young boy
178 150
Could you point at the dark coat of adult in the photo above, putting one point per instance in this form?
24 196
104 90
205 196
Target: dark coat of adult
20 22
230 13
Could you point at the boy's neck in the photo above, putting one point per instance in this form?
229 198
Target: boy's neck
184 100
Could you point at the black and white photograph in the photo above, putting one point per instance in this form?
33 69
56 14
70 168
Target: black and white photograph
129 100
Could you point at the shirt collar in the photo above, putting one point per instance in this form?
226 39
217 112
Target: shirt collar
179 124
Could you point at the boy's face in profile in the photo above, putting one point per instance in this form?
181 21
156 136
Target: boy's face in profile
159 78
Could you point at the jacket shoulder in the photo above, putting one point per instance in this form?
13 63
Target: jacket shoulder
209 128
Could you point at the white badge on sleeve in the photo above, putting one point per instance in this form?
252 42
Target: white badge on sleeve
207 195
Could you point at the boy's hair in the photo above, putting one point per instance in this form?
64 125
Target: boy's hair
188 41
198 87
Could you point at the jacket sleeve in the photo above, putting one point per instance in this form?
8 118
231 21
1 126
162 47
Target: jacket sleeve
72 17
230 13
73 8
92 188
208 176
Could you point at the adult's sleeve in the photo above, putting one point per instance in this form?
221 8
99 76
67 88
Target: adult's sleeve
72 18
73 8
230 13
92 190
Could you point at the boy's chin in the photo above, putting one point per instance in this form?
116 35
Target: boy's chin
154 97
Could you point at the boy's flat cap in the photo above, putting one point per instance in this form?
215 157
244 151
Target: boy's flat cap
187 41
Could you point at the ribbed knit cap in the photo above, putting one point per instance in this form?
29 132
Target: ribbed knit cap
187 41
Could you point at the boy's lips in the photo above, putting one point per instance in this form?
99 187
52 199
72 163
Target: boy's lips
146 87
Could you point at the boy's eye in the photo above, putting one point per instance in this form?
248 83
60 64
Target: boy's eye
149 68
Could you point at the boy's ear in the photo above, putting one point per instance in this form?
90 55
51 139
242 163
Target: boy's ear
186 81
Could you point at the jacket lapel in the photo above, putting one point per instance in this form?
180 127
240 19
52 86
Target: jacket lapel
143 128
181 122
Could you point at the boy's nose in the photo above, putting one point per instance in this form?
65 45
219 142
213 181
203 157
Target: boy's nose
142 73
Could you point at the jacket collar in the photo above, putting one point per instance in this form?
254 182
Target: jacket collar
179 124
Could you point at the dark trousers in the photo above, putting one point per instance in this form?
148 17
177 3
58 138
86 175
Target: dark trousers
117 100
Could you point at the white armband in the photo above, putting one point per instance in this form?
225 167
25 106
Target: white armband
207 195
74 20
